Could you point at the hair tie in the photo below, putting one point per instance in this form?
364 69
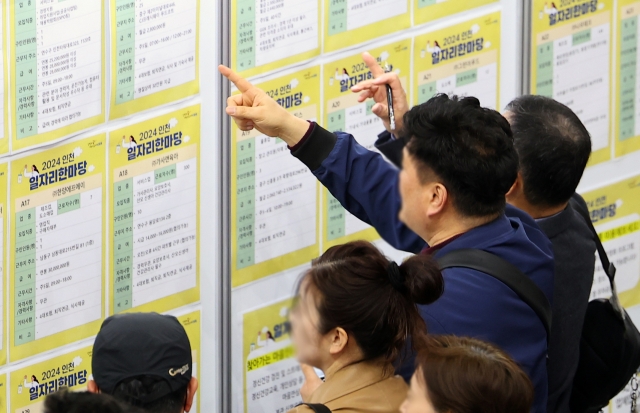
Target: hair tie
396 277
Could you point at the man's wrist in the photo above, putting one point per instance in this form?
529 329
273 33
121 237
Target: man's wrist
294 131
304 138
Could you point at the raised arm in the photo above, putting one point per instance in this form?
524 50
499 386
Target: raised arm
364 183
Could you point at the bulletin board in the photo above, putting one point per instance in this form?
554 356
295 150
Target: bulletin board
582 53
122 178
280 217
101 184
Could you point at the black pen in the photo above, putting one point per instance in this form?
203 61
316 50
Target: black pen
392 116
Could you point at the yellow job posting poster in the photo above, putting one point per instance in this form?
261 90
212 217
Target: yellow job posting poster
57 251
192 325
274 197
272 376
628 83
615 212
4 180
30 385
351 22
425 11
571 62
461 60
4 84
266 36
342 112
154 209
4 408
57 69
154 48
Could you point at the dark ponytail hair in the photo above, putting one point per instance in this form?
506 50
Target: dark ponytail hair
355 292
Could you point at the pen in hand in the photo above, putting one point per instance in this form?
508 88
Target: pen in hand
392 117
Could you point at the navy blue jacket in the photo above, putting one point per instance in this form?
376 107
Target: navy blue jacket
573 248
474 304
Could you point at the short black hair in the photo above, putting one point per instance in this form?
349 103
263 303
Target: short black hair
470 148
553 146
65 401
133 391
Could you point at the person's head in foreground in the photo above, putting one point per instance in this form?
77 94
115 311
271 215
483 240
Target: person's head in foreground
554 147
66 401
459 162
356 309
144 359
465 375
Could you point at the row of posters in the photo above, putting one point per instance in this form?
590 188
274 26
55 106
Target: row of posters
106 223
266 36
572 51
583 54
56 66
135 190
277 203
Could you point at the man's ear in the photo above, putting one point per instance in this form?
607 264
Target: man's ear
435 198
92 387
516 187
192 388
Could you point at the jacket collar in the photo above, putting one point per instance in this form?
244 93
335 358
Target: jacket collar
557 223
491 233
351 378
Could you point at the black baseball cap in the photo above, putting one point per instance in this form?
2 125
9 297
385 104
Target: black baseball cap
142 344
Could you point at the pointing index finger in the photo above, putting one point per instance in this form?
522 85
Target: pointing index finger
241 83
373 65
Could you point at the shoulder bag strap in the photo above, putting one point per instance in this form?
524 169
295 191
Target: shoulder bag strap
608 267
506 272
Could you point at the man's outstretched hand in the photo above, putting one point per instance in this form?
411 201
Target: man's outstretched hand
254 109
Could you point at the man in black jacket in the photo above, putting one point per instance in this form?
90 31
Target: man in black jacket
554 146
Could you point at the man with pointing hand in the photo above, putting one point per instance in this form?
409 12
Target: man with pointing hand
458 164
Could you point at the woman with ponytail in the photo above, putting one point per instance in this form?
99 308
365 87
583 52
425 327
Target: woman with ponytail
355 312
